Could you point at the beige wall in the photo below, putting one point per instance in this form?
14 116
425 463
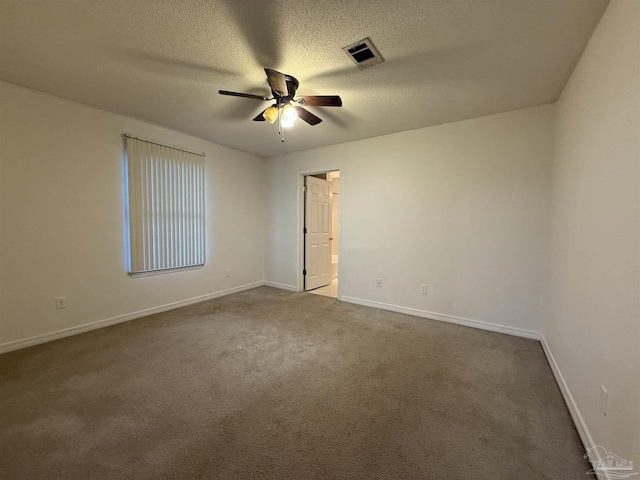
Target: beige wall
593 330
62 217
462 207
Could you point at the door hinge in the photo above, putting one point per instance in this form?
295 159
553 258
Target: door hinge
304 272
304 230
304 188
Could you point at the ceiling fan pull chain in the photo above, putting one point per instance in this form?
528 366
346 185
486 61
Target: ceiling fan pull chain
280 129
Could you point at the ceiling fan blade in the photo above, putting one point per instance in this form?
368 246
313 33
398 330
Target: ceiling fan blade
244 95
277 82
307 116
322 100
260 117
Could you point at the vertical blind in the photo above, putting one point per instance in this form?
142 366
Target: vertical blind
166 207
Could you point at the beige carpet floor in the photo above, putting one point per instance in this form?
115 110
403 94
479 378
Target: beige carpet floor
268 384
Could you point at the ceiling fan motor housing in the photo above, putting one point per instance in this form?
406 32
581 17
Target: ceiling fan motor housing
292 86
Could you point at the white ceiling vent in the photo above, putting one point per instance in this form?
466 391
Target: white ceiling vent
363 53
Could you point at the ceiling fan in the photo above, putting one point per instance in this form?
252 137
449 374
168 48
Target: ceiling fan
287 107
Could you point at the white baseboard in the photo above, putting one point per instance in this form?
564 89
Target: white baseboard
467 322
281 286
576 416
67 332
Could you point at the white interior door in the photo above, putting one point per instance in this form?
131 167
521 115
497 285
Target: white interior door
317 222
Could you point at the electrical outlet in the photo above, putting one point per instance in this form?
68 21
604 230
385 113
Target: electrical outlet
604 399
227 272
379 282
423 289
61 302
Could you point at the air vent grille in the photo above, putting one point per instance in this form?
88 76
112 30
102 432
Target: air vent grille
363 53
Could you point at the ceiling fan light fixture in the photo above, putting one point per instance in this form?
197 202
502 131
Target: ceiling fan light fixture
289 116
271 114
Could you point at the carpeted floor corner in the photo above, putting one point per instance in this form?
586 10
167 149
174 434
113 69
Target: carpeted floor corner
268 384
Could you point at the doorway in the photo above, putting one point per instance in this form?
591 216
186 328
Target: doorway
322 233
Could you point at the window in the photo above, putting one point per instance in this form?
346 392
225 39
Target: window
166 207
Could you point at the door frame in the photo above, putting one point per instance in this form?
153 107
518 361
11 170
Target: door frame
300 226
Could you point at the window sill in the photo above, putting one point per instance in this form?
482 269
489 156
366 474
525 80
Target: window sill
162 272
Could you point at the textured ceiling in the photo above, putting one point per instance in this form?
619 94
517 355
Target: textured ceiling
164 61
